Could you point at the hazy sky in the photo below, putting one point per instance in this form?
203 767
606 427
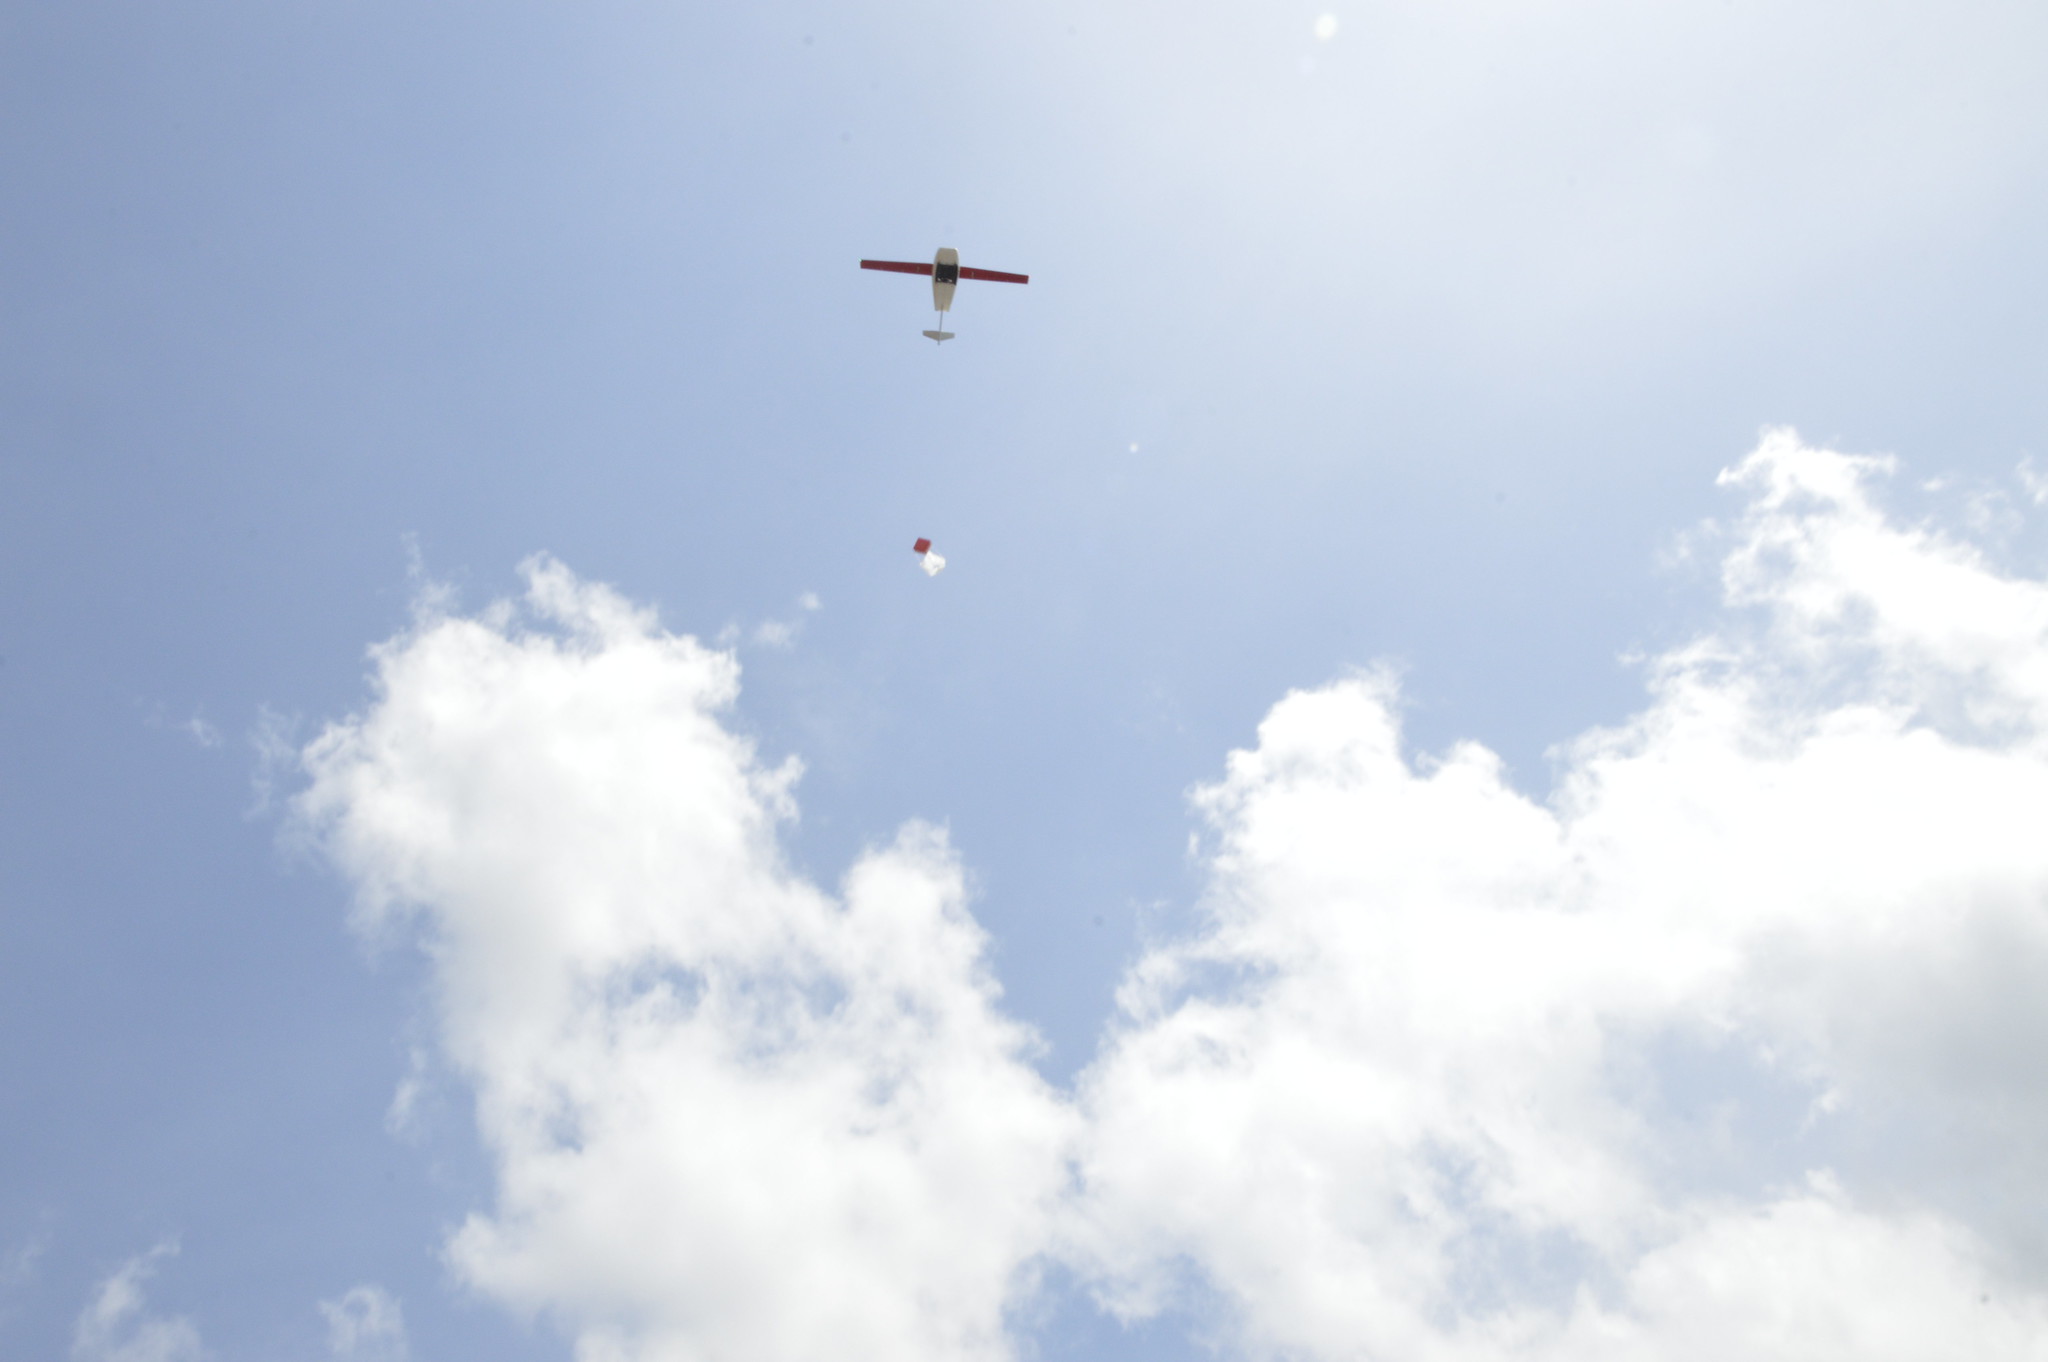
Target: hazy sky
1472 788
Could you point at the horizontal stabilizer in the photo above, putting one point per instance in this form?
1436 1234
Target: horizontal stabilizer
940 335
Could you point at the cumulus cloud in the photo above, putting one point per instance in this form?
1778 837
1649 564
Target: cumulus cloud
731 1114
1728 1048
1684 1064
118 1326
365 1323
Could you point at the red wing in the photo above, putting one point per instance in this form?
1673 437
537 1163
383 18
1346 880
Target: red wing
993 276
899 266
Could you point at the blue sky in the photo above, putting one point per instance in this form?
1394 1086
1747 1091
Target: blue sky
1419 347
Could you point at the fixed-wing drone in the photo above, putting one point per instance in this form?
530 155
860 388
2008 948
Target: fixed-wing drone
946 271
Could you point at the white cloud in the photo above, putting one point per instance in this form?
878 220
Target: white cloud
1805 1276
1449 1073
1730 1049
730 1114
118 1327
365 1322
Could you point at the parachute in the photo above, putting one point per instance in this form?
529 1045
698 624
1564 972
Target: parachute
927 559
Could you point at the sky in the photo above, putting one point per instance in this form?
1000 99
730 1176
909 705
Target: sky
1470 788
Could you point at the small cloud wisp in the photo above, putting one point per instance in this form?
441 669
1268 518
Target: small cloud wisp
119 1327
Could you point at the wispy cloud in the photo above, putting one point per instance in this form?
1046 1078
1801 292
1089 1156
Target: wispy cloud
783 633
197 726
2033 480
119 1327
19 1268
365 1324
273 739
403 1117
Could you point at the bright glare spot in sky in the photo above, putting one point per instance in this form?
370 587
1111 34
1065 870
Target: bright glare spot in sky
1326 28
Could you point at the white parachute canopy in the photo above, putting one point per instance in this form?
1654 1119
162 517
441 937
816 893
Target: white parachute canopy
928 558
